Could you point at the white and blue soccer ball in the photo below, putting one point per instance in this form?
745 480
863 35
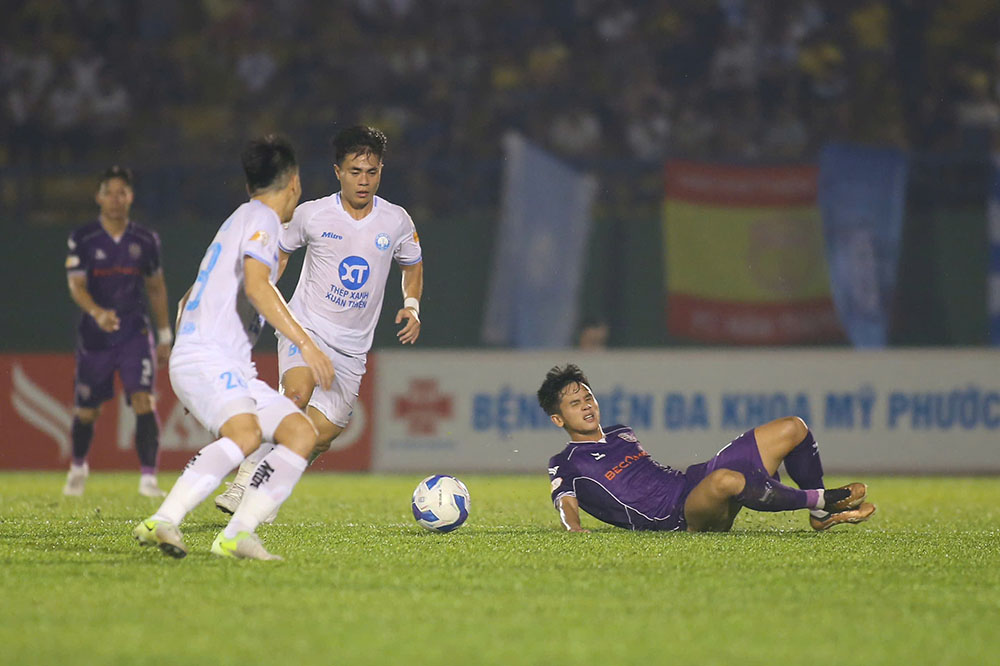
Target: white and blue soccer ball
441 503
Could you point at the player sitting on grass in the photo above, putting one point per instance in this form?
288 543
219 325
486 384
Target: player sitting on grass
609 475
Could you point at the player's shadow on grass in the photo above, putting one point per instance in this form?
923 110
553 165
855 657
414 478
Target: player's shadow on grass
203 527
474 530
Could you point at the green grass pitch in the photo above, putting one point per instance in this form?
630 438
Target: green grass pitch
363 584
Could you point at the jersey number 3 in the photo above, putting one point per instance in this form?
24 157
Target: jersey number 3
212 256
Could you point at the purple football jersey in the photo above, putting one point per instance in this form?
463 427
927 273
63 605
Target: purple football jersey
116 272
617 482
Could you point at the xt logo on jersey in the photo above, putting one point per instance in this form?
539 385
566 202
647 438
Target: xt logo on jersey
598 456
261 474
354 272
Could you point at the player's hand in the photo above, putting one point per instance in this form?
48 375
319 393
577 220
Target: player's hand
319 363
107 320
162 354
411 331
578 529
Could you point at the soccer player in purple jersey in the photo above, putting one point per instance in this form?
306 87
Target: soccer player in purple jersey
608 474
112 267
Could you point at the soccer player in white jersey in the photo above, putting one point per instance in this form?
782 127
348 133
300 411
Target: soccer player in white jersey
211 372
351 238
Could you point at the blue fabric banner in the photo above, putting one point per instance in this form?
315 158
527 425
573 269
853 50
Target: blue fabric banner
993 288
862 195
541 246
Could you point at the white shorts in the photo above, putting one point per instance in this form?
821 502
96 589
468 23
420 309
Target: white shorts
215 388
337 404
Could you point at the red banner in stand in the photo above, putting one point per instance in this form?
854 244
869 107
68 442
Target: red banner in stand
36 412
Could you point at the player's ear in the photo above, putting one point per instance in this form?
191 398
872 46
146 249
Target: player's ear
558 420
336 171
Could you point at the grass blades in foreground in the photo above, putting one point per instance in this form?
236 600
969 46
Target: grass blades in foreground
363 584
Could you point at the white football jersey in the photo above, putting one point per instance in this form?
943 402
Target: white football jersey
218 312
340 290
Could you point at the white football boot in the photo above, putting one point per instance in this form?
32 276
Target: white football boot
229 500
148 486
76 479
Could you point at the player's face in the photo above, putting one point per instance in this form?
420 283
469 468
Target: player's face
114 199
359 176
579 412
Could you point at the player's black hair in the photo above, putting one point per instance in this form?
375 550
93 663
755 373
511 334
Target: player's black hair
122 173
267 161
359 139
556 380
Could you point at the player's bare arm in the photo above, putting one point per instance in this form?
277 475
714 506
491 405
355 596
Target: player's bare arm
268 301
106 319
282 263
413 289
156 291
181 304
569 513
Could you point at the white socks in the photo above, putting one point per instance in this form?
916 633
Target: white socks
250 464
270 484
201 476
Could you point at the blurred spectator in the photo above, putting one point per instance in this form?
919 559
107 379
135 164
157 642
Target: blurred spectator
596 80
256 69
978 114
110 109
786 137
734 65
576 132
593 335
65 113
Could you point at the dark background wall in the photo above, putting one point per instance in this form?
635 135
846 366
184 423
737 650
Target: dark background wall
614 87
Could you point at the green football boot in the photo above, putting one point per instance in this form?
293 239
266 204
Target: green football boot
161 534
244 546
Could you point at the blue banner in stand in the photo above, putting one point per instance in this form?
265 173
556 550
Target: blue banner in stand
541 247
862 194
993 288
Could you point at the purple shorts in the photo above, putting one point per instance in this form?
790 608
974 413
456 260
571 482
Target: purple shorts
740 455
134 361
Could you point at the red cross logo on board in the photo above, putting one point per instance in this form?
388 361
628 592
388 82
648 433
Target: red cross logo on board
422 406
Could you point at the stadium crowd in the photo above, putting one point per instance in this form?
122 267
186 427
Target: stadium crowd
92 80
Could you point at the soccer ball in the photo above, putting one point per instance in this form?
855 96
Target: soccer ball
441 503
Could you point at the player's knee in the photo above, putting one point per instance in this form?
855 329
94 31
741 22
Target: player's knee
247 437
793 429
297 385
300 400
297 434
726 482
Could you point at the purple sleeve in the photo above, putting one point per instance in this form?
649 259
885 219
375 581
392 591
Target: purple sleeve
152 264
76 258
562 473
